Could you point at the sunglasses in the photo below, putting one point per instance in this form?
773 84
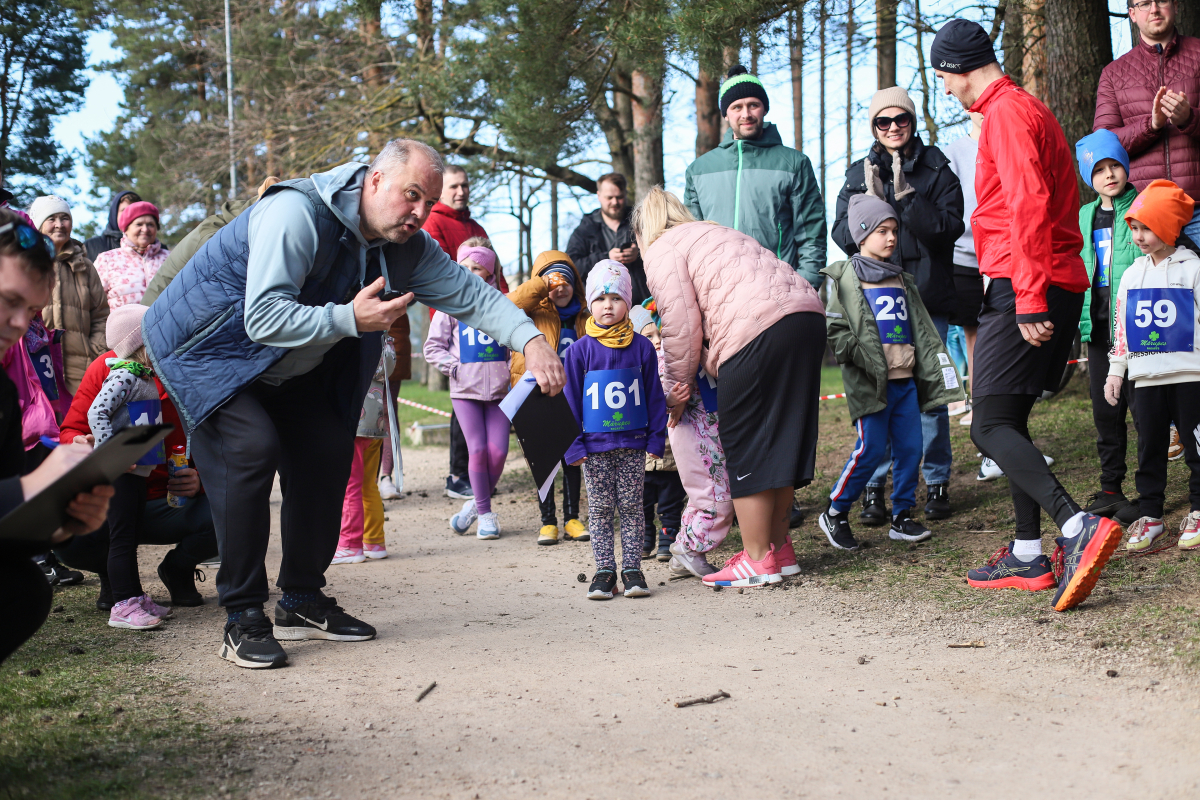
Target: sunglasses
901 120
26 236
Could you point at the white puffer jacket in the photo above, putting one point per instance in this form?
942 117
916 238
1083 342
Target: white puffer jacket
1150 318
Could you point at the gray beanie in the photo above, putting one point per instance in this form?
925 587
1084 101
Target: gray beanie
892 97
865 214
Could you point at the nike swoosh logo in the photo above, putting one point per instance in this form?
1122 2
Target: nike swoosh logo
747 475
322 625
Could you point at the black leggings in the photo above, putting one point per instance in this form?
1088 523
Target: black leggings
25 595
1000 429
572 477
125 513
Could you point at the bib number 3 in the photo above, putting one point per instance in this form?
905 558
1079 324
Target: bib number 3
613 401
1160 320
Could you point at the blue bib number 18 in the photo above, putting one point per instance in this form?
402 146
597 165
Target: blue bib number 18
613 401
476 347
890 308
1160 320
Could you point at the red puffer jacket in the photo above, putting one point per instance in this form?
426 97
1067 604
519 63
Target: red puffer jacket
1026 225
1123 102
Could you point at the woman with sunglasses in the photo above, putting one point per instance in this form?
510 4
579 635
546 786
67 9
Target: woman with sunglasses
917 181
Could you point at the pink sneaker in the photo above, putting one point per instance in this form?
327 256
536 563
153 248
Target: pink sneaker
348 555
741 570
785 559
153 608
374 551
130 614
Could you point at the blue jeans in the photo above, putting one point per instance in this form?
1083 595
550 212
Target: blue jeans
899 423
935 437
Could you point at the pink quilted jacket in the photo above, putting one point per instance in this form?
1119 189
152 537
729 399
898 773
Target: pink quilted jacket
1123 101
716 290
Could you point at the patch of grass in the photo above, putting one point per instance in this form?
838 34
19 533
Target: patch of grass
419 393
95 723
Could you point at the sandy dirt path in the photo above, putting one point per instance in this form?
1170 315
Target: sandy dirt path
543 693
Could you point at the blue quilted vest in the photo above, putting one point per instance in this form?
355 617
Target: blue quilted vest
195 332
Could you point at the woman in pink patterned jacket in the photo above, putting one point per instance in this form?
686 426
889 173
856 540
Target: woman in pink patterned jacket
126 271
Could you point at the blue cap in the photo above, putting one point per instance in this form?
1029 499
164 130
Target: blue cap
1094 148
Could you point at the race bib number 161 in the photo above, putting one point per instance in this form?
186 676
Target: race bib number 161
613 401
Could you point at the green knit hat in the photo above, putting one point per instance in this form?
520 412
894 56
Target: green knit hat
740 84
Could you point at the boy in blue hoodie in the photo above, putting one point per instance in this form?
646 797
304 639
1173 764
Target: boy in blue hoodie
1108 250
614 390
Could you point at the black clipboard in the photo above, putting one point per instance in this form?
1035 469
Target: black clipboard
37 519
545 427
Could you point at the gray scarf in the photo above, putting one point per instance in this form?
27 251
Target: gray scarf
872 271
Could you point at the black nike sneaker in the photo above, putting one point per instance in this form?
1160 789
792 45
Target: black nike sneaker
320 619
837 530
250 642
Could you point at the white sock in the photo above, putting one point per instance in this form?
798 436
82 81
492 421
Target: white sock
1074 526
1027 549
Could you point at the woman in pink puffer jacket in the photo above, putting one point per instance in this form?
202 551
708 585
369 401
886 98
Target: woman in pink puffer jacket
758 329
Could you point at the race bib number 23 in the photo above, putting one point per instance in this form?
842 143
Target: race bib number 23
1160 320
614 400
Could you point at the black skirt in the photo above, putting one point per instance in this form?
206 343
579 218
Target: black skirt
968 297
767 400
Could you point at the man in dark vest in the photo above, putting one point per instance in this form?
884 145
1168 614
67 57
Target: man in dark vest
267 341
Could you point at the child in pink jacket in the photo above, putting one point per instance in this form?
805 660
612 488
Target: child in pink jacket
479 377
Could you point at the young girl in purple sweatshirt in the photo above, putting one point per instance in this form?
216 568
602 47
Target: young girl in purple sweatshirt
614 390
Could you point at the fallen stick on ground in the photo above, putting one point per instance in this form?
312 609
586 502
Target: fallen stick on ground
968 644
681 577
426 691
695 701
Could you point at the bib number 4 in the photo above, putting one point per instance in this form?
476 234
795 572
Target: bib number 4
613 401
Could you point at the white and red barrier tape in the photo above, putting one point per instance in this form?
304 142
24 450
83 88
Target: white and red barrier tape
437 411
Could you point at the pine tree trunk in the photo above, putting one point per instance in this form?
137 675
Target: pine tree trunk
1012 40
931 126
616 121
1078 47
647 130
708 113
850 28
1187 17
1033 67
553 215
885 43
823 19
796 28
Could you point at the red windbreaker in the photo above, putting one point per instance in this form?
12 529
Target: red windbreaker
451 228
1026 225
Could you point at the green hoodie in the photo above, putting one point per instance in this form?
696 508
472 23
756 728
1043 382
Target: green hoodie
1124 254
767 191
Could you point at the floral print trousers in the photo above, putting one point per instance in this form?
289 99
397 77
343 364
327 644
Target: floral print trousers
696 443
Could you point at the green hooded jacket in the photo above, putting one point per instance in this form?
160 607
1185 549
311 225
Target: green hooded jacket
854 340
182 253
1125 252
767 191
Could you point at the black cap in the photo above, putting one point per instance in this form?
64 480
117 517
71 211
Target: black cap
738 85
961 46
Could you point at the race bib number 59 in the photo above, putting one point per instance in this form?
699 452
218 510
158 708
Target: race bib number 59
613 401
1160 320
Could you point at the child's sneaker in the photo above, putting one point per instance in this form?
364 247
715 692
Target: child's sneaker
742 571
837 530
489 526
348 555
1005 571
1189 532
688 562
1080 559
635 583
906 529
989 471
130 614
461 522
874 510
1143 532
375 551
548 535
666 537
387 489
603 584
153 608
575 531
648 542
785 558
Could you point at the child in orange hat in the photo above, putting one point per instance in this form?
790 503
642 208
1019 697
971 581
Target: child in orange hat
1157 323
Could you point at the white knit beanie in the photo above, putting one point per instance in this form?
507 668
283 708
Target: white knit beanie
47 206
891 97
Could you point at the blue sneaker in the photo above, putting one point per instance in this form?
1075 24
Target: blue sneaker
1079 560
461 522
1005 571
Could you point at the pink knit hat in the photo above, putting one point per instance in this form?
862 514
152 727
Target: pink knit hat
123 333
134 210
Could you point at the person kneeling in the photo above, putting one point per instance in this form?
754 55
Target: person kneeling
894 366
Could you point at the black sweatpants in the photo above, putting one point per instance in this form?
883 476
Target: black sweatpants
458 449
126 511
665 490
1154 408
26 597
293 429
1000 429
572 478
1112 431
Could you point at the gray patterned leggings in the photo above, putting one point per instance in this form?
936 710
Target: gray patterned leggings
614 483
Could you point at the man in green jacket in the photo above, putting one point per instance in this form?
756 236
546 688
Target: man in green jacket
754 184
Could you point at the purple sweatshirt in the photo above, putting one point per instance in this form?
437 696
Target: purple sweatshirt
608 404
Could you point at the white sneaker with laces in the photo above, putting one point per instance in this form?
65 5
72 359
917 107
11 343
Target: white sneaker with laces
387 489
461 522
687 562
1189 531
489 526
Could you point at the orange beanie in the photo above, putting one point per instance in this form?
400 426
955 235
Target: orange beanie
1163 208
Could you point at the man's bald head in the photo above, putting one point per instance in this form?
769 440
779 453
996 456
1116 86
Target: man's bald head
402 185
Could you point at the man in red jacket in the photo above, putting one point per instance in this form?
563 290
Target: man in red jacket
1028 242
190 527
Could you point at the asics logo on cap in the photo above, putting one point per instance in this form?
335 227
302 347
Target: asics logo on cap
951 66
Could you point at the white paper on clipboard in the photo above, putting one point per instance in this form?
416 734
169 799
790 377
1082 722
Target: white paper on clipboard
517 395
548 486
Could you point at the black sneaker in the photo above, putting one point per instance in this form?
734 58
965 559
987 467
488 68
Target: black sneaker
603 584
250 642
648 543
458 488
320 619
635 583
1106 504
180 579
1079 560
906 529
666 538
796 519
104 601
937 502
837 530
875 511
1127 515
56 573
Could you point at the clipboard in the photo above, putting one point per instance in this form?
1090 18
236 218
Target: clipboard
545 427
37 519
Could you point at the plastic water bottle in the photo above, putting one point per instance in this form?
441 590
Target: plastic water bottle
177 460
